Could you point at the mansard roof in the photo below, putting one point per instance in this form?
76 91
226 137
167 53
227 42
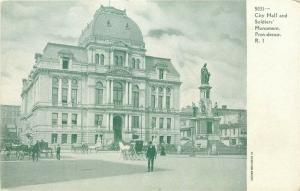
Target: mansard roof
52 50
79 54
155 62
111 24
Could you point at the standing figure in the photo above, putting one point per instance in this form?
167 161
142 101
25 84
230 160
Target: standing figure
35 151
204 75
151 155
195 109
58 152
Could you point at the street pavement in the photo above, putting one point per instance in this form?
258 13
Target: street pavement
108 171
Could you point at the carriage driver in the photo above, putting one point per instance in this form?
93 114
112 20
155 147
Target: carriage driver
151 155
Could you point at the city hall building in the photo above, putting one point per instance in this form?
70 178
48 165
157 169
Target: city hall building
105 89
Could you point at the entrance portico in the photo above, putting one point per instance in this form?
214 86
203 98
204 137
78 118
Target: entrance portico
117 128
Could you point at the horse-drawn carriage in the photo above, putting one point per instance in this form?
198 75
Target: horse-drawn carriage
133 151
84 148
20 151
17 151
45 150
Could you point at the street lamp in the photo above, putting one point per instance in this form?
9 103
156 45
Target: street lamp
193 142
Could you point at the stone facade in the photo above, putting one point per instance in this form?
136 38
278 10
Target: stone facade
9 122
105 90
233 126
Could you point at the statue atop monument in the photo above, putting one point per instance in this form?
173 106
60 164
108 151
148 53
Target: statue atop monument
195 109
204 75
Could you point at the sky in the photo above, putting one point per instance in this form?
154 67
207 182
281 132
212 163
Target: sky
190 33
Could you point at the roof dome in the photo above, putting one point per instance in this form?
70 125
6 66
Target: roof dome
113 25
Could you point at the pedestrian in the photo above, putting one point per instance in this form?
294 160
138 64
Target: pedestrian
151 155
32 147
35 151
58 152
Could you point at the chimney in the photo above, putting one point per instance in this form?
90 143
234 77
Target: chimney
24 81
37 57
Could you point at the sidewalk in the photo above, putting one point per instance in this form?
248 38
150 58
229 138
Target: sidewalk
180 173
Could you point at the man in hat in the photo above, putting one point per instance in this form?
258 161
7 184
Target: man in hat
151 155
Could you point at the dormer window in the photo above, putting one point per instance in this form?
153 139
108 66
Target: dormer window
133 63
97 59
108 23
161 74
127 26
65 63
116 60
138 63
102 59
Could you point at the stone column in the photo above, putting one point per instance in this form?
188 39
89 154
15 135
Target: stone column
59 91
126 122
107 92
126 59
112 91
126 93
129 122
69 92
171 99
141 123
111 62
93 56
130 93
107 121
156 98
128 84
111 122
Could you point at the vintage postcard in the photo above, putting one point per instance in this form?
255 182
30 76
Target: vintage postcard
147 95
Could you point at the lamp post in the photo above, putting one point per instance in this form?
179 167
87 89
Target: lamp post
193 142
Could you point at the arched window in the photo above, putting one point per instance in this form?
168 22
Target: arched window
135 97
153 96
133 63
74 91
116 60
160 90
97 59
99 93
55 81
138 63
102 59
168 98
160 97
74 83
64 91
168 90
118 93
54 91
121 61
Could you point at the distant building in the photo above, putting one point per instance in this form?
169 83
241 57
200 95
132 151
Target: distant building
105 89
207 126
9 122
233 125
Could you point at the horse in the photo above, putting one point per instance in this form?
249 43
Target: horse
124 150
85 148
98 146
76 147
